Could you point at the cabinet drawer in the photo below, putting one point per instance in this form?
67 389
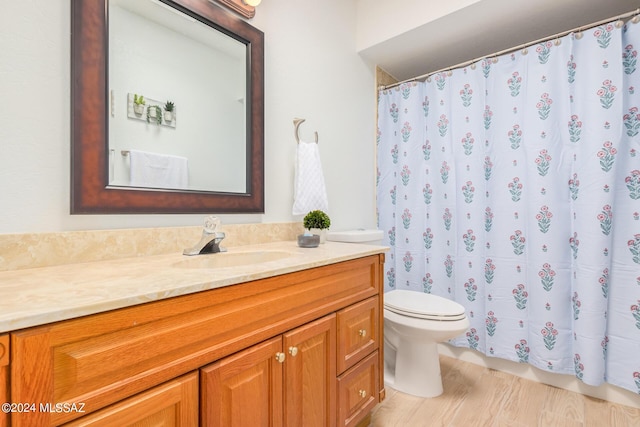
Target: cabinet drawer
358 391
358 333
174 403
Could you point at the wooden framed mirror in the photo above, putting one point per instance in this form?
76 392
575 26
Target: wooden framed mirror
94 103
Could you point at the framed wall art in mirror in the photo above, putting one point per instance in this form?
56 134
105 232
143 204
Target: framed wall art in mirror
167 101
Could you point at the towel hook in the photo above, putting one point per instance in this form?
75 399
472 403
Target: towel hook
296 123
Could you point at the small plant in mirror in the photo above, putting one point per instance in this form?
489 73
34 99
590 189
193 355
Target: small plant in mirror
154 112
138 103
168 111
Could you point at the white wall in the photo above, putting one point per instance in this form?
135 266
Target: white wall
311 71
399 17
161 64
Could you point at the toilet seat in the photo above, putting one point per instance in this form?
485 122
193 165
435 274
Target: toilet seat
423 306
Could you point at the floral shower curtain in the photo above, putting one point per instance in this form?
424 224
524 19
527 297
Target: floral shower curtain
512 186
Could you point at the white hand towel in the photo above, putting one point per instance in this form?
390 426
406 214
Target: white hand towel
309 190
154 170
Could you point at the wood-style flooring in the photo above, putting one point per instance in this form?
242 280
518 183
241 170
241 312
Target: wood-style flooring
478 396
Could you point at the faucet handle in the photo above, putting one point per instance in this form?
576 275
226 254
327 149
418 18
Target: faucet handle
211 223
210 240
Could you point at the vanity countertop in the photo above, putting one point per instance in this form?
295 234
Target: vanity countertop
38 296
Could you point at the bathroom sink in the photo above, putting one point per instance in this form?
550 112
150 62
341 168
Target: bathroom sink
231 259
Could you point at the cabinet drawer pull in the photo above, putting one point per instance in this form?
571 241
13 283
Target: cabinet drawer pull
293 350
362 394
362 332
280 357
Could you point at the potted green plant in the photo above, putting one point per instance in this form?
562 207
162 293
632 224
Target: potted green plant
317 222
154 112
168 111
138 104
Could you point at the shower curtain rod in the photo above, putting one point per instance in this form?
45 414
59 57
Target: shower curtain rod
635 19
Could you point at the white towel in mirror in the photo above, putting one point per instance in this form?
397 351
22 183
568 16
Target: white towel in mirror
153 170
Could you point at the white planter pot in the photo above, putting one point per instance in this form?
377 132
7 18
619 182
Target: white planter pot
322 233
138 108
168 116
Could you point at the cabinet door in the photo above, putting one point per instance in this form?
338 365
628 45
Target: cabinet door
174 403
310 372
245 389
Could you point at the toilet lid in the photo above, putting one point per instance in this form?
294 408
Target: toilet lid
423 306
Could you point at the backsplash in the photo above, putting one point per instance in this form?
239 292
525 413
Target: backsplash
31 250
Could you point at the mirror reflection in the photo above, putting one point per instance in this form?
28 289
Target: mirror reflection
177 114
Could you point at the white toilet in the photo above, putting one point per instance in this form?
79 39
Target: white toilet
414 323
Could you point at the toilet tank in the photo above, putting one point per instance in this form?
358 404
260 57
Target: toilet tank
361 236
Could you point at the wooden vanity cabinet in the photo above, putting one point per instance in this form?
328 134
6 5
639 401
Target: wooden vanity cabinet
117 362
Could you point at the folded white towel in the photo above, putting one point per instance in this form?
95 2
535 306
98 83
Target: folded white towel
309 190
154 170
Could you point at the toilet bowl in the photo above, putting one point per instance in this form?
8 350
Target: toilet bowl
414 323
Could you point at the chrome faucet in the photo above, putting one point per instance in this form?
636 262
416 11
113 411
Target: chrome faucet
210 241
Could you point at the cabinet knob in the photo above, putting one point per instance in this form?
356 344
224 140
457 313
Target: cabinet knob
362 332
293 350
280 357
362 393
